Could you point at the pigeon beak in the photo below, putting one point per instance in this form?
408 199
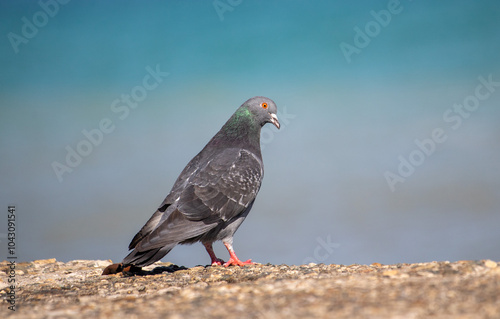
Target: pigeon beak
274 120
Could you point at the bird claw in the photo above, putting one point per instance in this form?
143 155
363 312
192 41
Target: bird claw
217 262
237 262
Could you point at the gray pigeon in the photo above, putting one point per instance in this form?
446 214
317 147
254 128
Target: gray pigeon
213 194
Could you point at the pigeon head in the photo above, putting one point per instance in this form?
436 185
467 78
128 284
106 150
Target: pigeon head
263 110
245 124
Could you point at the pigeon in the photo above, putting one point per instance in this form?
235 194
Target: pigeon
213 194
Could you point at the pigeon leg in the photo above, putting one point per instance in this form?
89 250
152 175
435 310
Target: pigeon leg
234 260
215 261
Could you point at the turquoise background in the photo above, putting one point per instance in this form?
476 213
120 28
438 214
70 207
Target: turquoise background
347 120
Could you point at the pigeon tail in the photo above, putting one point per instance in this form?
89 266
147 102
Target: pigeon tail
148 227
147 257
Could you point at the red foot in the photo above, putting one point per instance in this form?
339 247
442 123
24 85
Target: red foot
234 260
238 262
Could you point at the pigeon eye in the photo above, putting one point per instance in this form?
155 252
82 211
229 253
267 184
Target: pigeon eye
264 105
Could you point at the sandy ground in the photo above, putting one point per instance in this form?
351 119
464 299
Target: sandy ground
52 289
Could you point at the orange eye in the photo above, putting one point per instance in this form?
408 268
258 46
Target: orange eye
264 105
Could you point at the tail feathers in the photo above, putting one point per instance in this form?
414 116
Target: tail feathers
147 257
137 238
150 225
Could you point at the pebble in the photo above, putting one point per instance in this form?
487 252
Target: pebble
390 273
490 264
44 261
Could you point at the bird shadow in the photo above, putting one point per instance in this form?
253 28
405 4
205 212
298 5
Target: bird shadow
155 271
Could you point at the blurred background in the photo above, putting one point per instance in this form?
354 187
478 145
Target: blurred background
102 104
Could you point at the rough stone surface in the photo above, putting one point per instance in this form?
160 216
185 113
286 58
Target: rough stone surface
52 289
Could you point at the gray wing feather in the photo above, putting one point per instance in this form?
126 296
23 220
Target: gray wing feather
224 188
203 197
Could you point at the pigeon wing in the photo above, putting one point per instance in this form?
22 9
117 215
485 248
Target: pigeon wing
219 190
224 188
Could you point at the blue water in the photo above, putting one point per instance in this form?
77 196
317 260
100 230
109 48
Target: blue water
349 120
